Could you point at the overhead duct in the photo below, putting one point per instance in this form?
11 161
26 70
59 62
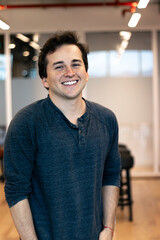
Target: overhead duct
132 5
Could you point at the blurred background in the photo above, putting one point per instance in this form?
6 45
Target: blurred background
124 63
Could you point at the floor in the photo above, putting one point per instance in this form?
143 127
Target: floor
7 229
146 214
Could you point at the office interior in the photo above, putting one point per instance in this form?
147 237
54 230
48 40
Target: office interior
127 82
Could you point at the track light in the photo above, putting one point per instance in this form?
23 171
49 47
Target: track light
34 45
134 20
12 45
125 35
4 26
22 37
143 3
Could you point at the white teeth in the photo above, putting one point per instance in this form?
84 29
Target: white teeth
69 83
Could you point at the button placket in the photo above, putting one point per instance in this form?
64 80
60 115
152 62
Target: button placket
81 135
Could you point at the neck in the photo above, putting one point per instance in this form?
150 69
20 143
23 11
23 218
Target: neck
71 108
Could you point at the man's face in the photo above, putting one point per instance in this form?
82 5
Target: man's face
66 74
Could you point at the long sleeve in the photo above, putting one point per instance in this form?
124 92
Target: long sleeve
111 175
18 160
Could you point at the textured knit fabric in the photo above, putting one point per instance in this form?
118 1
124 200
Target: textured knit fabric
61 168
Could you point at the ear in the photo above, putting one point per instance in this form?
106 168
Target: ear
44 82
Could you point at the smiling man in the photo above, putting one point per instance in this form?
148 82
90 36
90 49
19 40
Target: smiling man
61 159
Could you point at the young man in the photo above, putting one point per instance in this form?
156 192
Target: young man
61 158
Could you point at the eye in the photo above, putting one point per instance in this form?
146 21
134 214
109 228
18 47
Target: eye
76 65
60 67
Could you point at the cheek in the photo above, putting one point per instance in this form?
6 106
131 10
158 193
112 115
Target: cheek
51 77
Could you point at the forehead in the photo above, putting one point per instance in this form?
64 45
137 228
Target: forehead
69 51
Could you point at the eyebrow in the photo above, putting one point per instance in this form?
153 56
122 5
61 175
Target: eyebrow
61 62
76 60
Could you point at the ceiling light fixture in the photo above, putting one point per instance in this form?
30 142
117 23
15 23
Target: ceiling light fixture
35 58
124 44
125 35
143 4
134 20
122 47
36 38
12 45
4 26
22 37
34 45
26 53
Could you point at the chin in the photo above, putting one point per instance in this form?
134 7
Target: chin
72 97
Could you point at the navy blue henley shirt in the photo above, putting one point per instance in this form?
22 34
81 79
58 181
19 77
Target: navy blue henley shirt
61 168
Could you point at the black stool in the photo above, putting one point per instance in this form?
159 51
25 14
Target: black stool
1 164
127 163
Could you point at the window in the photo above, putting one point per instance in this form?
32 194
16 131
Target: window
98 62
104 60
24 64
132 63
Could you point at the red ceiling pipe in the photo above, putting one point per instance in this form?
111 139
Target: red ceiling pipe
68 5
131 10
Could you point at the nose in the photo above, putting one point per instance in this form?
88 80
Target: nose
69 72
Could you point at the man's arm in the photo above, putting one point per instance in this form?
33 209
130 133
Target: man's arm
110 203
23 221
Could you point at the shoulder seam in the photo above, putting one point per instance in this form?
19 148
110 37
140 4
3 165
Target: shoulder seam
100 120
93 113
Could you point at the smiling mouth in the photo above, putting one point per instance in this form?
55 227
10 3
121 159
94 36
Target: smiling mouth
69 83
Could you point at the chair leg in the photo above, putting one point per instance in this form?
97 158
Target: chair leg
129 195
2 176
125 193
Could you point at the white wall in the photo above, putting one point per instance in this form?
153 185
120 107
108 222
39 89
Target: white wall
26 91
131 100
